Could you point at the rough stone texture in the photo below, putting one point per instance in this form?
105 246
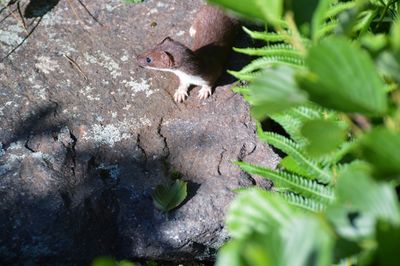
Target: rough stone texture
81 149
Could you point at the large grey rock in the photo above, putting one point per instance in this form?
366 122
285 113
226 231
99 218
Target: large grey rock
82 149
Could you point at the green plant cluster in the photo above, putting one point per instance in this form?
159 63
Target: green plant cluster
132 1
329 74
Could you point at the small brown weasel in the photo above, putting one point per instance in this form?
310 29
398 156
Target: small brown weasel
213 34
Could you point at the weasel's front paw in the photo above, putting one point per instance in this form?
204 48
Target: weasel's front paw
204 92
180 96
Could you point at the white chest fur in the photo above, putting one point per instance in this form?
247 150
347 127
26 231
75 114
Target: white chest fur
184 78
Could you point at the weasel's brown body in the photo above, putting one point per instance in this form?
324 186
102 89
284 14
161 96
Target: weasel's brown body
213 33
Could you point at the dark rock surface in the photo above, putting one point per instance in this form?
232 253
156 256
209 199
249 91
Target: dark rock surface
85 136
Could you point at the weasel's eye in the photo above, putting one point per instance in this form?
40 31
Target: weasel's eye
148 60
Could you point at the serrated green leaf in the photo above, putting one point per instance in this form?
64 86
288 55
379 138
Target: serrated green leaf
381 148
344 78
168 198
274 90
256 210
323 136
269 232
357 189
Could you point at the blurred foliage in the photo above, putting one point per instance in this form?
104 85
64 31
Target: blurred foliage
108 261
329 74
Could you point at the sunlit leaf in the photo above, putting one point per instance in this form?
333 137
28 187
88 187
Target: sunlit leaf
229 254
290 165
256 210
343 77
381 148
273 91
356 188
323 136
389 65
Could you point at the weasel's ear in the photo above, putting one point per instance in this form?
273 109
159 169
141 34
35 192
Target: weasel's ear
167 39
167 59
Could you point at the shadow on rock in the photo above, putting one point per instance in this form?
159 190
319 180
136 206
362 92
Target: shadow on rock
40 120
39 8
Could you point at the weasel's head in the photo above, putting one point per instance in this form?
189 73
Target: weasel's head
160 57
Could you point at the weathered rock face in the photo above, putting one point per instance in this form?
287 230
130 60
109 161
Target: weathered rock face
86 135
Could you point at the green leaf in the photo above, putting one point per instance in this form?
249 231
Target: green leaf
343 77
104 261
357 189
230 254
395 35
380 147
308 240
389 65
108 261
269 232
323 136
290 165
273 91
168 198
256 210
388 238
267 10
132 1
348 223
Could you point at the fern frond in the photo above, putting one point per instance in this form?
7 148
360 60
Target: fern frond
267 36
337 155
307 113
327 28
271 50
295 183
264 62
294 150
302 202
291 166
292 125
338 8
293 119
244 76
